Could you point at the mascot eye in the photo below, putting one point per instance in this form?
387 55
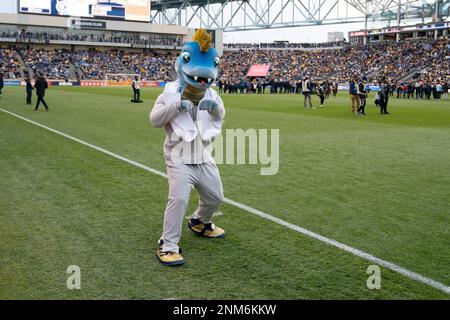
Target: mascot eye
216 61
186 56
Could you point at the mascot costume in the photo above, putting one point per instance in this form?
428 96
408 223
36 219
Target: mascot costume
192 114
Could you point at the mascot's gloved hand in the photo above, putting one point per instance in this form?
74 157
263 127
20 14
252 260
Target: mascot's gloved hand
185 105
208 105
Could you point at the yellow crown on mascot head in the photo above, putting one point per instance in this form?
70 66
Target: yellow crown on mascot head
204 39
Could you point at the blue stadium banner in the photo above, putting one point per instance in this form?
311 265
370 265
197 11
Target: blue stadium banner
11 82
374 88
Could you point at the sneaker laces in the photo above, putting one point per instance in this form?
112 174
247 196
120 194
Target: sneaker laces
206 226
161 242
210 226
170 253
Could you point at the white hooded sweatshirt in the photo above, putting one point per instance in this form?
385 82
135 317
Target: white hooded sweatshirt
187 141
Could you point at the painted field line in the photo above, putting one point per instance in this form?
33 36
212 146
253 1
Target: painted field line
359 253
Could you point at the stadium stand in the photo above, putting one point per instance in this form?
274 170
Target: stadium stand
283 45
91 64
406 62
9 63
54 63
391 60
95 64
152 65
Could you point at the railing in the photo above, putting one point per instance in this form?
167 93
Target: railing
93 42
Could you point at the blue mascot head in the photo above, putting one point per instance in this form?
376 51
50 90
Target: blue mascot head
197 65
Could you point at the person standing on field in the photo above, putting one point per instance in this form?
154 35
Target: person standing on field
136 85
29 90
306 90
438 91
321 89
335 89
1 83
445 91
353 91
362 93
40 85
384 97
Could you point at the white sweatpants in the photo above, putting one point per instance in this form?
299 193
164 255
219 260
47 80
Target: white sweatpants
205 178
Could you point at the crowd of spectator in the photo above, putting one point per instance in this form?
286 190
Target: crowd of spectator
421 89
392 61
55 64
396 62
235 64
9 64
284 45
95 64
151 66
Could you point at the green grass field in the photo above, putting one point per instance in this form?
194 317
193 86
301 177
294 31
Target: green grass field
377 183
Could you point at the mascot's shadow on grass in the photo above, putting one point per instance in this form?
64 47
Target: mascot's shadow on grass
192 114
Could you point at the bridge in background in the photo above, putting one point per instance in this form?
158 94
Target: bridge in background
237 15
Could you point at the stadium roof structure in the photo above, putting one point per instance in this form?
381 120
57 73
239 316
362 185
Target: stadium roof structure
237 15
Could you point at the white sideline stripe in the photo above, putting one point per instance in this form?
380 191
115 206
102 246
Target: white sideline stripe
389 265
218 214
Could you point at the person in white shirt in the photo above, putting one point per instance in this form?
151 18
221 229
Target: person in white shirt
136 89
306 90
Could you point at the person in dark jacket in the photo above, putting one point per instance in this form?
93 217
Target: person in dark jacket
321 89
40 85
427 91
1 83
29 89
445 91
362 93
384 96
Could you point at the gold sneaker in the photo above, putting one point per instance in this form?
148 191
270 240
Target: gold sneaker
169 258
208 230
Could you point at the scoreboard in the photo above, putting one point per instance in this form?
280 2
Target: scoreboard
131 10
